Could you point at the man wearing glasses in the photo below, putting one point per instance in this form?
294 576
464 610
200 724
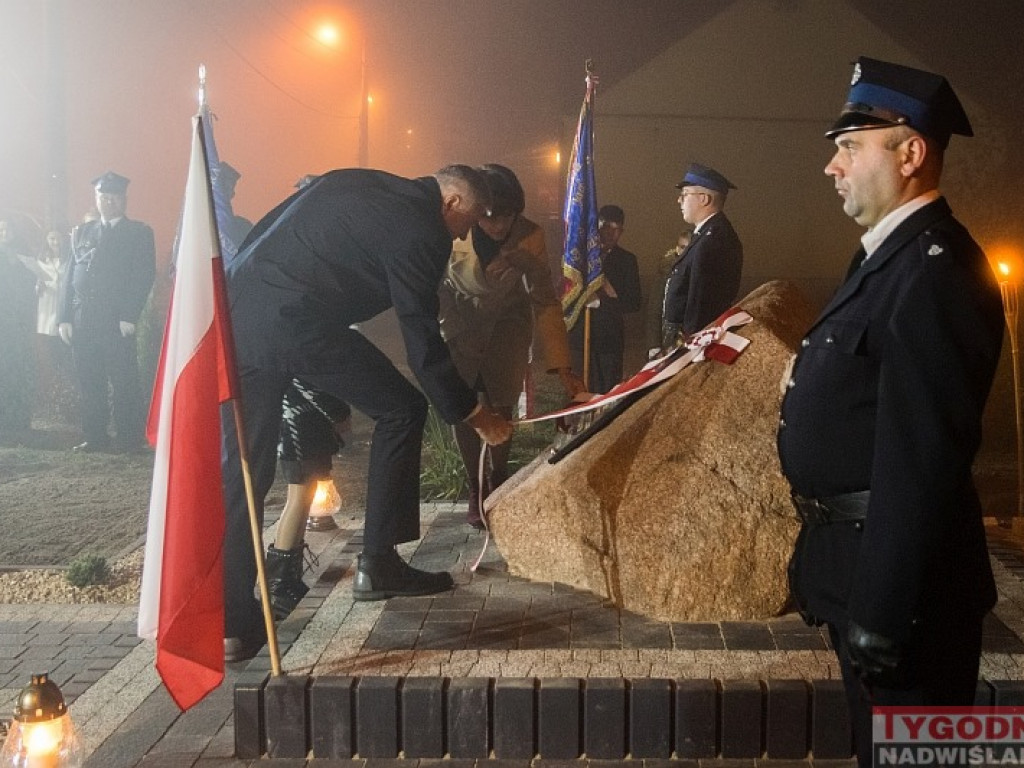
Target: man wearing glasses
705 279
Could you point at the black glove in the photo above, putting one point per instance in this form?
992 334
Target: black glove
877 660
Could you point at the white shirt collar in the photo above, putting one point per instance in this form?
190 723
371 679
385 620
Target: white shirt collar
875 236
112 222
697 228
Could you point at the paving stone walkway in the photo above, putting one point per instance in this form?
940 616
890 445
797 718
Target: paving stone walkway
491 625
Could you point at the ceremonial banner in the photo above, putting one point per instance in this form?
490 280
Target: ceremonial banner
581 255
181 604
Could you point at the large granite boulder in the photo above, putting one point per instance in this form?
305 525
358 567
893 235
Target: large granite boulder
677 509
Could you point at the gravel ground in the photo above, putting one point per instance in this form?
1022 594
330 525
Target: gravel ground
56 505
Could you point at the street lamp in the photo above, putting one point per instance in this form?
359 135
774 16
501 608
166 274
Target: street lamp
329 35
42 734
364 111
1009 290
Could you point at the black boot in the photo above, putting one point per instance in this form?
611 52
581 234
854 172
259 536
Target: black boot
382 576
284 580
475 512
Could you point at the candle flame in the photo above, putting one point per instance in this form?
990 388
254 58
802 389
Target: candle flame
43 739
326 500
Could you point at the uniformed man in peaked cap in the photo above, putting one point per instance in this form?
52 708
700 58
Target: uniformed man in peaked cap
237 226
881 418
705 279
111 272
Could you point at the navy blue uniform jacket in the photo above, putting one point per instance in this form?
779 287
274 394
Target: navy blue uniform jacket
887 395
340 251
109 276
705 279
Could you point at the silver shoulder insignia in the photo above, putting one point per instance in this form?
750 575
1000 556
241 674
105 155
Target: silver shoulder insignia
935 250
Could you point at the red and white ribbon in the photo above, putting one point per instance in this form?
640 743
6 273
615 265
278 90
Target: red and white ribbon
716 342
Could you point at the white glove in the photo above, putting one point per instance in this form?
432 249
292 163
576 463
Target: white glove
127 329
64 331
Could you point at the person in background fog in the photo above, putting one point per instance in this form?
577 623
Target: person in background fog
17 325
238 226
111 272
619 295
49 268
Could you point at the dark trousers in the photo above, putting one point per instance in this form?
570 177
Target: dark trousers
604 371
102 356
944 665
353 370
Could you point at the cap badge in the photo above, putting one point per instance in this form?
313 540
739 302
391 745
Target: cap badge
856 74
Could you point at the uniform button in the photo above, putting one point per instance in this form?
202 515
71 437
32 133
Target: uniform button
805 343
791 383
830 340
782 423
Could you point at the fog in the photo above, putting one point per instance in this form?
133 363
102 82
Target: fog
111 84
91 85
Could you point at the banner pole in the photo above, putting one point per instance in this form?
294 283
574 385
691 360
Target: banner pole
586 349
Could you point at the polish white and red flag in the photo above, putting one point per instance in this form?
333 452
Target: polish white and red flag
182 600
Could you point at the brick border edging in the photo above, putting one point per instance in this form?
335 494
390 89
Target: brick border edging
558 718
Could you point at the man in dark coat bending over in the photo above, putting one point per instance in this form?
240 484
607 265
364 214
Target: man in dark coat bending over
341 250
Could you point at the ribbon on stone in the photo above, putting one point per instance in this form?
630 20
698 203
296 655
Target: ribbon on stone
715 342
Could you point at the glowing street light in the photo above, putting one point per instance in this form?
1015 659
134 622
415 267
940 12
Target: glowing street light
329 35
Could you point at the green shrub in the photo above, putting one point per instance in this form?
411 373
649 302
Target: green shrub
442 474
88 569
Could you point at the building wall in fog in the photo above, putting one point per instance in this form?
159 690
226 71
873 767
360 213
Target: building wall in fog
751 93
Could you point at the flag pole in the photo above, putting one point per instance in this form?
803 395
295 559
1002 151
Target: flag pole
250 497
589 67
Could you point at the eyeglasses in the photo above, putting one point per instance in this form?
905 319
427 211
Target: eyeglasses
684 194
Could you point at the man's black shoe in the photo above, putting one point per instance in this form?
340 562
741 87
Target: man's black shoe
245 647
379 577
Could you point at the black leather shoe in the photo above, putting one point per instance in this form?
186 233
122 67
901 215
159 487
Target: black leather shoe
245 647
91 447
379 577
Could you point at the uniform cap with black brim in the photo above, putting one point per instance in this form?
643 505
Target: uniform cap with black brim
883 94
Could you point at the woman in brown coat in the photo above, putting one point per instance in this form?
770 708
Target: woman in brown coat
497 295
